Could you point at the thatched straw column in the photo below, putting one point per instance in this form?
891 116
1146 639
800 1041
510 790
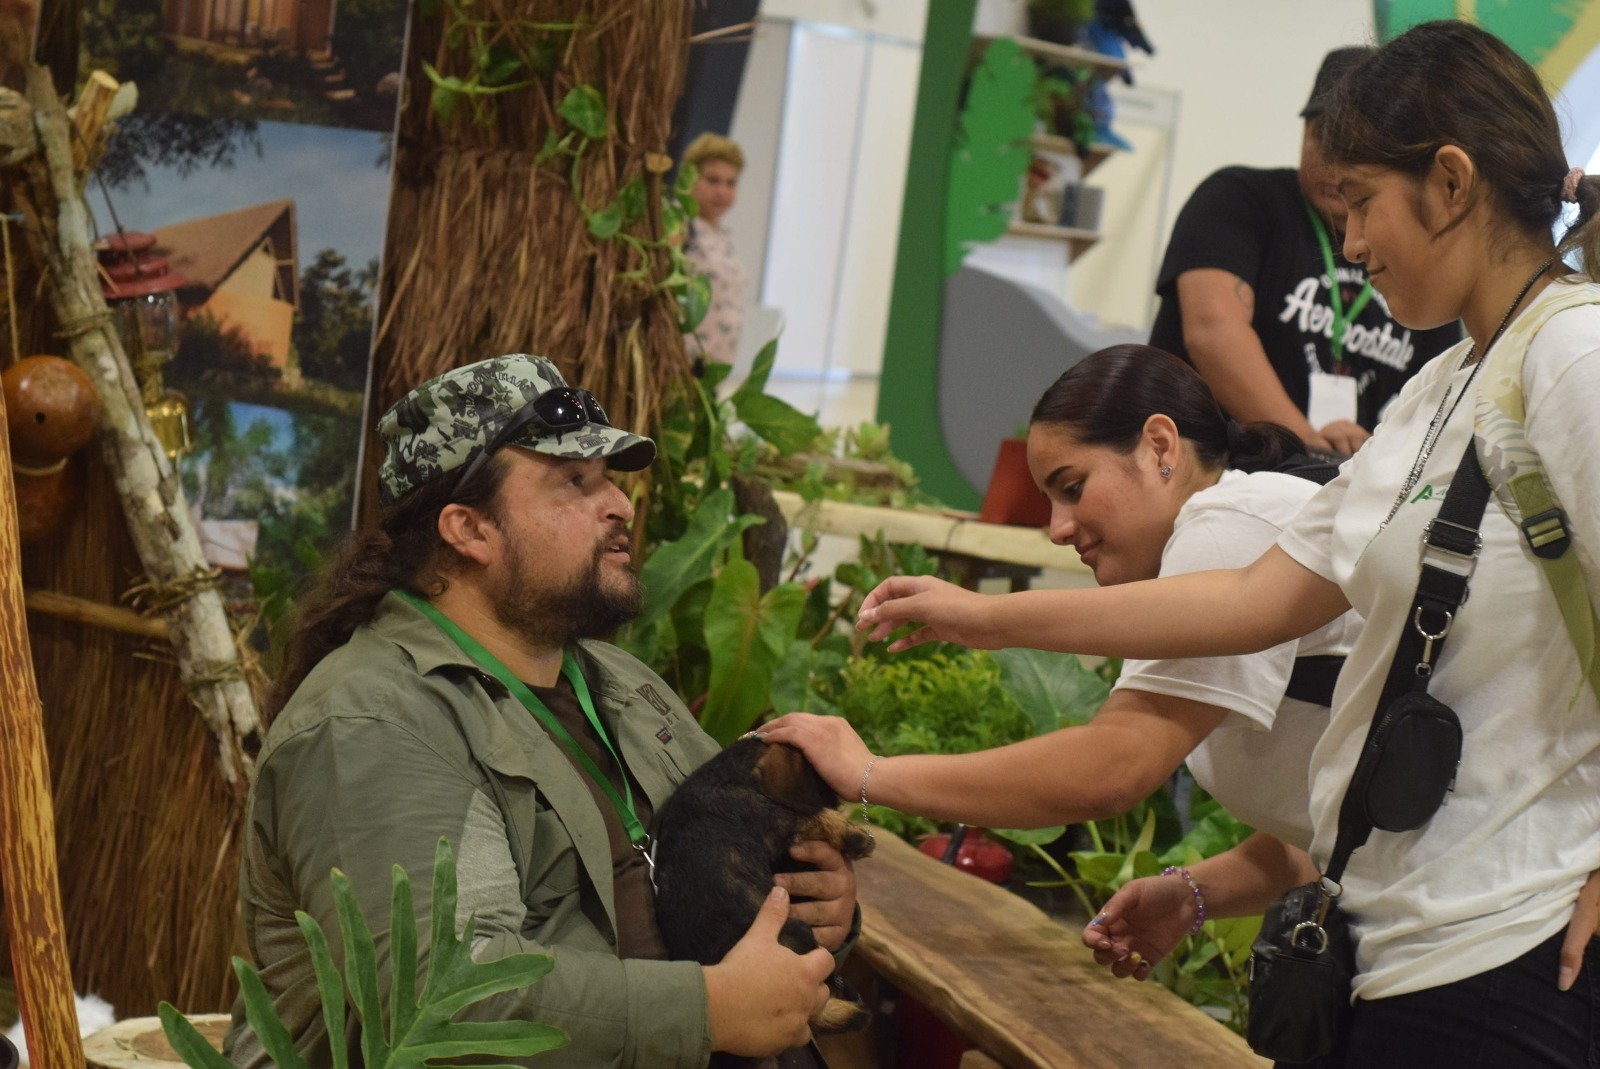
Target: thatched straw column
488 248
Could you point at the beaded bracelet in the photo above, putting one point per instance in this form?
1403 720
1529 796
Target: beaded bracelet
866 814
1199 898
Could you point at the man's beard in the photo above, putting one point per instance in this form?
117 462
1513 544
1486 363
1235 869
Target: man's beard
584 608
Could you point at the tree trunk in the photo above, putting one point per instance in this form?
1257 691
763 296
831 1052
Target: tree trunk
33 914
489 250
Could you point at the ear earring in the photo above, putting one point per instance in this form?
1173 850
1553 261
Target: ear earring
1166 471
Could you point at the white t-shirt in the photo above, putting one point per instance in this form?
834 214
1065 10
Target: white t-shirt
1256 762
1497 869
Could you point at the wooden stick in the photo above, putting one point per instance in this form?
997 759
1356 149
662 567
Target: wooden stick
147 482
94 613
89 116
34 919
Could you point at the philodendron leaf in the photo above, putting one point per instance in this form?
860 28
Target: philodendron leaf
780 423
676 566
1054 689
585 109
186 1039
748 634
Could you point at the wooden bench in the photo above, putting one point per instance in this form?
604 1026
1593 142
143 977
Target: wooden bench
1019 986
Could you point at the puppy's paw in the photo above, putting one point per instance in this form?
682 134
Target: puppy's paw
857 843
839 1015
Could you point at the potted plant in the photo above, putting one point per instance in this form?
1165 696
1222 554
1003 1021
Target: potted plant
1059 21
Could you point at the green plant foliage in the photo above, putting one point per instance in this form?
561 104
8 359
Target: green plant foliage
585 108
1207 968
421 1029
747 633
1055 690
992 150
776 421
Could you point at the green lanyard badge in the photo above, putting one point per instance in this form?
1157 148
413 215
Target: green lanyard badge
1341 319
622 803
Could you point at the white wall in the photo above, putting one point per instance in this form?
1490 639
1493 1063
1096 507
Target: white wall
1240 71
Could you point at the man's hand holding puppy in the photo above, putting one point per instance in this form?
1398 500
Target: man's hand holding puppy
757 996
831 888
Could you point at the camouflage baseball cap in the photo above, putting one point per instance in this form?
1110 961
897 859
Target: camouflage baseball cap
445 423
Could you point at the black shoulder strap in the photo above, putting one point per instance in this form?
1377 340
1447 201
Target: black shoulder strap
1451 537
1313 678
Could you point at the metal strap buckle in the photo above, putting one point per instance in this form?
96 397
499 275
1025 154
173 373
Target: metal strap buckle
1464 563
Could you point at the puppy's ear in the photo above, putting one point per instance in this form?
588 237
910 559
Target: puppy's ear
783 775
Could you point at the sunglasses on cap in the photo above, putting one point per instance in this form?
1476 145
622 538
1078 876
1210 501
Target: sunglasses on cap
556 411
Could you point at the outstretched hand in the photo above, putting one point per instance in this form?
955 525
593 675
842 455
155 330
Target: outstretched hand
1141 924
947 613
829 743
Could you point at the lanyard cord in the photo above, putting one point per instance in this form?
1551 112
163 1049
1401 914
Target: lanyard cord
622 803
1341 319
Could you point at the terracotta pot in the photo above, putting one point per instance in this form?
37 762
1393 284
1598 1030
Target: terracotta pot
1012 496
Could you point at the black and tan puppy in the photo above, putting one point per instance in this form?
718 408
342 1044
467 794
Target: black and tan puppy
720 838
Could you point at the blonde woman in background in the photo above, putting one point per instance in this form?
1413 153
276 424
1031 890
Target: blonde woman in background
710 248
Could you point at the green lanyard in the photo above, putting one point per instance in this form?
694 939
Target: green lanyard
1341 320
622 803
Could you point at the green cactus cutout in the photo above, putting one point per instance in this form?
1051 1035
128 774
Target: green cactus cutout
992 150
421 1029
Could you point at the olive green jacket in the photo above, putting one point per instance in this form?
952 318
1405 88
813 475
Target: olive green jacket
396 739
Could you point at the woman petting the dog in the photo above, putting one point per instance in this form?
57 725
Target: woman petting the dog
1146 476
1450 159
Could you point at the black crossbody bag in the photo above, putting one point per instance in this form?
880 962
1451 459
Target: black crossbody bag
1302 963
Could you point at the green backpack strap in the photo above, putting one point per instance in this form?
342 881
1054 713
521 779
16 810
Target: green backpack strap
1518 477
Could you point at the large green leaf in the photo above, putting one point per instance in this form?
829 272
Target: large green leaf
993 150
755 383
748 635
329 987
786 427
186 1039
676 566
1054 689
263 1017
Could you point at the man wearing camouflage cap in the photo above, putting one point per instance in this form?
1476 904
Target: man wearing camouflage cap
447 679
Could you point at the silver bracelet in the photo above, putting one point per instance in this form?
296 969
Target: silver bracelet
865 813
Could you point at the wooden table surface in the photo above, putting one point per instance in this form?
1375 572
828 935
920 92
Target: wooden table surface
1018 985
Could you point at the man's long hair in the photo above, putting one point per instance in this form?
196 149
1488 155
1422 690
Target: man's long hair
404 551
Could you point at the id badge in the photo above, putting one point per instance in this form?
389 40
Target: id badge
1333 397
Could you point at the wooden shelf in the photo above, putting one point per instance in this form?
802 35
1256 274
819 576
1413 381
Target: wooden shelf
1078 241
1066 55
1096 156
940 533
